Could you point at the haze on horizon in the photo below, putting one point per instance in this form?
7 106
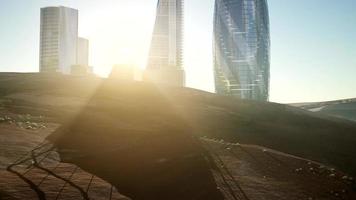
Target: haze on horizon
313 55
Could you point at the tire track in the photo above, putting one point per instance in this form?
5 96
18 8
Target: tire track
238 193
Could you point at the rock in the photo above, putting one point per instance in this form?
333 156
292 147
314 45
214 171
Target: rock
299 170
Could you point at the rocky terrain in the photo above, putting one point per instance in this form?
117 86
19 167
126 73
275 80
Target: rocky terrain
134 138
254 172
241 172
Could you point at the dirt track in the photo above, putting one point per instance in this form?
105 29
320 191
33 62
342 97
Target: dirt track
253 172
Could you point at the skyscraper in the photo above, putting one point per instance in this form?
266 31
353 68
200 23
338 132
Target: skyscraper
165 62
242 48
58 39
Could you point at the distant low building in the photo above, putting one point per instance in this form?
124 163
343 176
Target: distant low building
80 70
123 72
173 77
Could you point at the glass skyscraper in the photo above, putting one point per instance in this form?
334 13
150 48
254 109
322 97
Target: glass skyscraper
58 40
165 62
242 49
61 50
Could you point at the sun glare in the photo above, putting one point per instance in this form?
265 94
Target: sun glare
116 35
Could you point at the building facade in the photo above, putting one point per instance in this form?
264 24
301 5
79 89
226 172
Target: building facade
83 52
242 49
58 39
165 62
82 68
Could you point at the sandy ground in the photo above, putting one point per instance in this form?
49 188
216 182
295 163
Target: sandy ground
17 138
245 172
55 180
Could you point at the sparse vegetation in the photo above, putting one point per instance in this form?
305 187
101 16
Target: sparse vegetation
24 121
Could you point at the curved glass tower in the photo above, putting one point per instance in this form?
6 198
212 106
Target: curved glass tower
165 56
242 49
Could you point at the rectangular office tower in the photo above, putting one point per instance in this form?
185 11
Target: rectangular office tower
165 57
58 39
242 49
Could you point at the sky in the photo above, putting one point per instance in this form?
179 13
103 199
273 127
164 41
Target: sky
313 42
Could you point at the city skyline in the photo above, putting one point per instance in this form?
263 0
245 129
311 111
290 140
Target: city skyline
311 60
241 49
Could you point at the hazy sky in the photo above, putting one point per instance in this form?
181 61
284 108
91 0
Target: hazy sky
313 41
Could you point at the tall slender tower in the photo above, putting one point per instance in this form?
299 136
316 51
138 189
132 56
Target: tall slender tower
58 39
165 56
242 49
